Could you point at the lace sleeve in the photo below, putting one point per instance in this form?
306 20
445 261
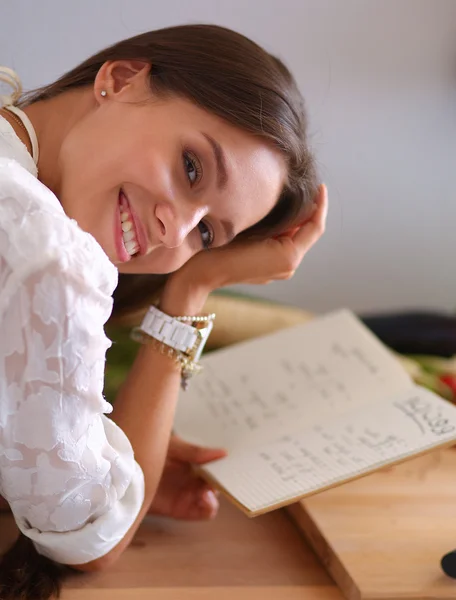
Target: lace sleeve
67 470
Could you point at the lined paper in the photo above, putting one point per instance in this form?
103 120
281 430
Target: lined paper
251 392
336 450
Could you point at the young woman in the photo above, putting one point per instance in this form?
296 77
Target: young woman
177 159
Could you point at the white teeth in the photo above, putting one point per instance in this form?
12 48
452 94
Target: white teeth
128 236
128 231
130 242
131 247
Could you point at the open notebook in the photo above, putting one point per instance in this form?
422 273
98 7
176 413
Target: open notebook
305 409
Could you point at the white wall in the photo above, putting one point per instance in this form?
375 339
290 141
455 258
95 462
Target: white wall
380 81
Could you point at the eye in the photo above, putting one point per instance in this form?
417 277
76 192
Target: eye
207 235
192 166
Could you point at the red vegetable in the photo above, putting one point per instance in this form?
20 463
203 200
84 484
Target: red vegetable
450 380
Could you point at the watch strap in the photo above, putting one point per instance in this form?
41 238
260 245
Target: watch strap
169 331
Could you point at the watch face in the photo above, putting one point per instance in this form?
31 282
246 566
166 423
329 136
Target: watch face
203 334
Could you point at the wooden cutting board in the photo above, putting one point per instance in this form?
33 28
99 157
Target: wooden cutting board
382 537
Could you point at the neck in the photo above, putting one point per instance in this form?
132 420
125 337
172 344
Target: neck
53 119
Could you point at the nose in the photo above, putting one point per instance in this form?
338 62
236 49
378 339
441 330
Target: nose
175 225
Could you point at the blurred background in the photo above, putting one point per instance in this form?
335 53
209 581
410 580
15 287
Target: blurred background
379 77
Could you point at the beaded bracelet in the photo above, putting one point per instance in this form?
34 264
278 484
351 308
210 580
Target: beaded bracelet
198 319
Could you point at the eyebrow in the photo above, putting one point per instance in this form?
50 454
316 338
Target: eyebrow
222 180
220 161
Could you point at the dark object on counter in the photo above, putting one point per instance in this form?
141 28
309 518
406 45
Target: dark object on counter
415 332
448 564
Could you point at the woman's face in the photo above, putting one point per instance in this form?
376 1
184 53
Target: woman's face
156 182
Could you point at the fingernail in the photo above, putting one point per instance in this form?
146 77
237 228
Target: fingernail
210 499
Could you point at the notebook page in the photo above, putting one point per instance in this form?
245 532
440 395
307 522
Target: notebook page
254 391
336 450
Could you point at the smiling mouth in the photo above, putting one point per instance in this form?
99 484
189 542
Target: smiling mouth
127 225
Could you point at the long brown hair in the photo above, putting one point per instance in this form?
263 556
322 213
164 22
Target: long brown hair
232 77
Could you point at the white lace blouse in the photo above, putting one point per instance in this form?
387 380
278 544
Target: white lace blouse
67 471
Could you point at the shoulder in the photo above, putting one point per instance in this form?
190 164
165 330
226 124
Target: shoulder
34 231
11 147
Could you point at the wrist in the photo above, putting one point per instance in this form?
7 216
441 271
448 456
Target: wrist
183 297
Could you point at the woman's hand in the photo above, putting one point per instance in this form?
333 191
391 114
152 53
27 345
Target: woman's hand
253 262
271 259
181 494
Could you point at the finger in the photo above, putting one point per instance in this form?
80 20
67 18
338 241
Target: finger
313 229
319 214
208 503
192 453
316 203
294 248
186 505
196 501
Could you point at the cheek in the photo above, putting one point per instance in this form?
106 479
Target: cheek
85 180
168 260
96 154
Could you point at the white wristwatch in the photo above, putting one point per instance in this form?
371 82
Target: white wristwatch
176 333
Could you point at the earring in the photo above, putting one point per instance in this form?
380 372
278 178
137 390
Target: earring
103 93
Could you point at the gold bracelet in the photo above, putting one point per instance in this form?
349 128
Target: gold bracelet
139 336
186 366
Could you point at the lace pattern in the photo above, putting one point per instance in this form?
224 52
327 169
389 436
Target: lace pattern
66 469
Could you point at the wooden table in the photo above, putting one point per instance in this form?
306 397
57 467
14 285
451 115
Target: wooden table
382 536
232 557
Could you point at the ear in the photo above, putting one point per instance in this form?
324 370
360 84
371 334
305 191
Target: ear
126 79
